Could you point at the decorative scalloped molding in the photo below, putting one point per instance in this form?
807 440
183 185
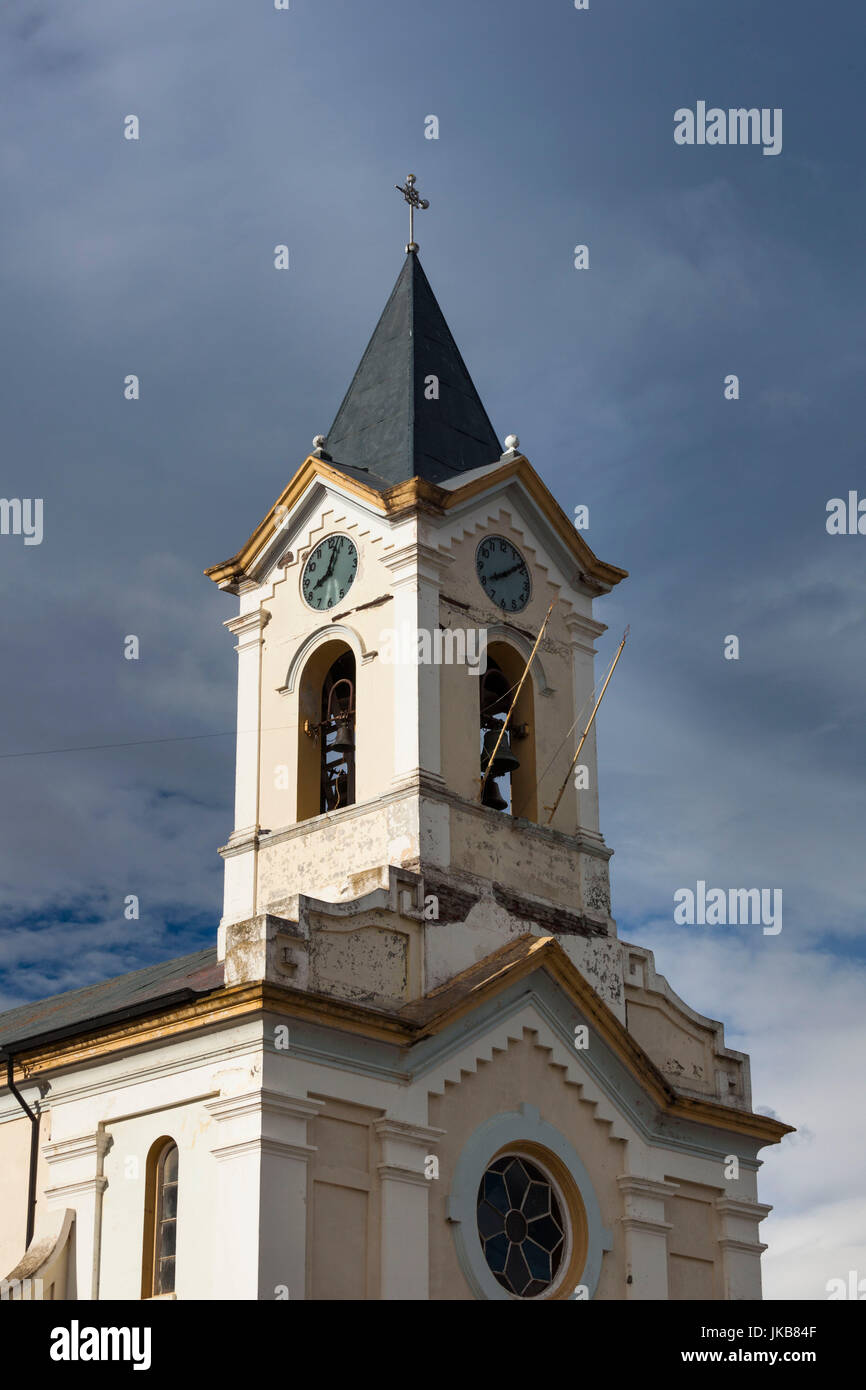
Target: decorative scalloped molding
491 518
372 529
318 492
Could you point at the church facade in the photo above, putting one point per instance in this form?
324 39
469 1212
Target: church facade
419 1062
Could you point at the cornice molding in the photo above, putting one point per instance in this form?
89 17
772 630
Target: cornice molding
407 1175
519 960
641 1223
261 1145
414 495
519 468
264 1101
94 1145
400 1129
746 1247
646 1187
82 1188
735 1206
248 628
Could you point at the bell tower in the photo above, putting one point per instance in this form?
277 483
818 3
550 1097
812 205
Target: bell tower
389 604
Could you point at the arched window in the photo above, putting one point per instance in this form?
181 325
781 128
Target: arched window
327 709
510 786
337 735
160 1219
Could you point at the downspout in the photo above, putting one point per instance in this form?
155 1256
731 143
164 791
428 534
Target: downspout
34 1148
133 1011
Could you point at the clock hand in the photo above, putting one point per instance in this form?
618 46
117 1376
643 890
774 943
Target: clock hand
503 574
328 572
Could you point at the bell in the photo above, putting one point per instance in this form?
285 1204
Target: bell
495 692
492 797
504 761
345 740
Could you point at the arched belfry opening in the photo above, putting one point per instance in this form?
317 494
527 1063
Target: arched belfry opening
327 711
510 787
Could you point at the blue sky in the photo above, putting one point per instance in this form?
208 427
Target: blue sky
556 128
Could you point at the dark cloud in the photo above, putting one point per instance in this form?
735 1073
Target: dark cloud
556 128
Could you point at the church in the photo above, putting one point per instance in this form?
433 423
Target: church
418 1062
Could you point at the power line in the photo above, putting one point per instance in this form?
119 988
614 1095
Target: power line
134 743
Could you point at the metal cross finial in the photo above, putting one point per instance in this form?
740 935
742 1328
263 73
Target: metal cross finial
414 200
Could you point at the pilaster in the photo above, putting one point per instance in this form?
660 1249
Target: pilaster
76 1179
646 1235
740 1247
240 852
582 632
404 1196
263 1155
415 572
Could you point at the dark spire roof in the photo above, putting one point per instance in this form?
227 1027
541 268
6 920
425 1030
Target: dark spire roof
386 424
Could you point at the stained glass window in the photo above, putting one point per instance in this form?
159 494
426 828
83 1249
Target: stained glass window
521 1225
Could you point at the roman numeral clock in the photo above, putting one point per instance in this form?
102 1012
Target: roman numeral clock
503 573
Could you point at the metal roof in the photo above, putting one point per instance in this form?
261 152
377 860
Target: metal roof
140 992
386 422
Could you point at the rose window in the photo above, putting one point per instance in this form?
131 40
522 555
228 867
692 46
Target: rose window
521 1225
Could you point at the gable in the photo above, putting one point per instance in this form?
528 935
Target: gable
396 501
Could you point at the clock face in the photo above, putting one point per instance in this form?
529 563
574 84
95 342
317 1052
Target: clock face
329 572
503 573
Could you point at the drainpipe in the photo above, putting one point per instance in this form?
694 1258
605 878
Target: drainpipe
71 1030
34 1148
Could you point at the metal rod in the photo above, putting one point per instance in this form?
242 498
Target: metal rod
588 727
486 773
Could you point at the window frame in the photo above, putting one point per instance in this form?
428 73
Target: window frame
153 1219
566 1211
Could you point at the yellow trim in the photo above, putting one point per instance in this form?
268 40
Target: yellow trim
422 1018
522 469
235 568
546 951
416 494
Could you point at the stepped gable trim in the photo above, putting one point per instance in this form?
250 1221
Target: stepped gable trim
413 495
